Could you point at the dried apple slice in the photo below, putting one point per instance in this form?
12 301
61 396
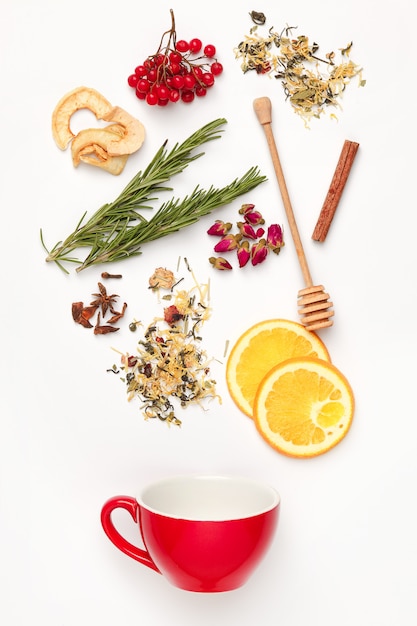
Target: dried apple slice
79 98
90 146
91 136
93 150
134 132
113 164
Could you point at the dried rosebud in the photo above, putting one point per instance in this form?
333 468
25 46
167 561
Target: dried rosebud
229 242
260 232
246 230
275 238
243 253
259 252
245 208
172 315
219 228
254 218
220 263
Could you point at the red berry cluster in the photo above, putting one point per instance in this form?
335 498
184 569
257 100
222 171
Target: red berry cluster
179 71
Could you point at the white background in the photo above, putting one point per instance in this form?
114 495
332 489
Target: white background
346 547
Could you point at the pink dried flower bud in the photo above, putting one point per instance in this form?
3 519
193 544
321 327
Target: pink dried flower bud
254 218
243 253
251 216
229 242
259 252
219 228
246 230
219 263
245 208
260 232
275 238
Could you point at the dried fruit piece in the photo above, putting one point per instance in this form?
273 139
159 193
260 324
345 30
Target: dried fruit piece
91 146
79 98
134 132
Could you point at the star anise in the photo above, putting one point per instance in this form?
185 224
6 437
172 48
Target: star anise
103 300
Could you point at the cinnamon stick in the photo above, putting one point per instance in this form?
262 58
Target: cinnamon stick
334 194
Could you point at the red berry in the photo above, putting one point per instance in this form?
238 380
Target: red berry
143 85
209 50
174 68
163 92
178 82
162 102
195 45
187 96
140 94
200 91
149 64
208 79
140 71
182 46
152 75
132 80
175 57
197 71
161 59
152 98
189 81
174 95
216 68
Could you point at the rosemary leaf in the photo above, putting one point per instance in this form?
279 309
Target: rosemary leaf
117 230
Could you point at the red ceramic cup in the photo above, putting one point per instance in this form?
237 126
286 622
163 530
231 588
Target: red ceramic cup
203 533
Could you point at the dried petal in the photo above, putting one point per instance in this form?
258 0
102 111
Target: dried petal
172 315
220 263
162 278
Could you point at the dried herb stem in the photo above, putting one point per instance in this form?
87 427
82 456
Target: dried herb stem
117 230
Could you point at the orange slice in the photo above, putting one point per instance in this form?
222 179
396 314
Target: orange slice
304 407
262 347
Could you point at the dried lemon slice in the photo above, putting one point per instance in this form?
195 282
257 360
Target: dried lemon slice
303 407
79 98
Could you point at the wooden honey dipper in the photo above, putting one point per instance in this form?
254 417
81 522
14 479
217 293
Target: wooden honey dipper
313 302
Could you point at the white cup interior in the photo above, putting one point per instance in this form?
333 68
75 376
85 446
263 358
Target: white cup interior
209 498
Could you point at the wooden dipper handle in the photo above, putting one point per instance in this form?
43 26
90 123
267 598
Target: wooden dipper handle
263 110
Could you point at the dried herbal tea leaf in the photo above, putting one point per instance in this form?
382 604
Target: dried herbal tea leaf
170 365
311 83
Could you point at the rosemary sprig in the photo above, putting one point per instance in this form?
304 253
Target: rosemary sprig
117 230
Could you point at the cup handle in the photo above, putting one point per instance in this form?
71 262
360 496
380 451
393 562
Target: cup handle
130 505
